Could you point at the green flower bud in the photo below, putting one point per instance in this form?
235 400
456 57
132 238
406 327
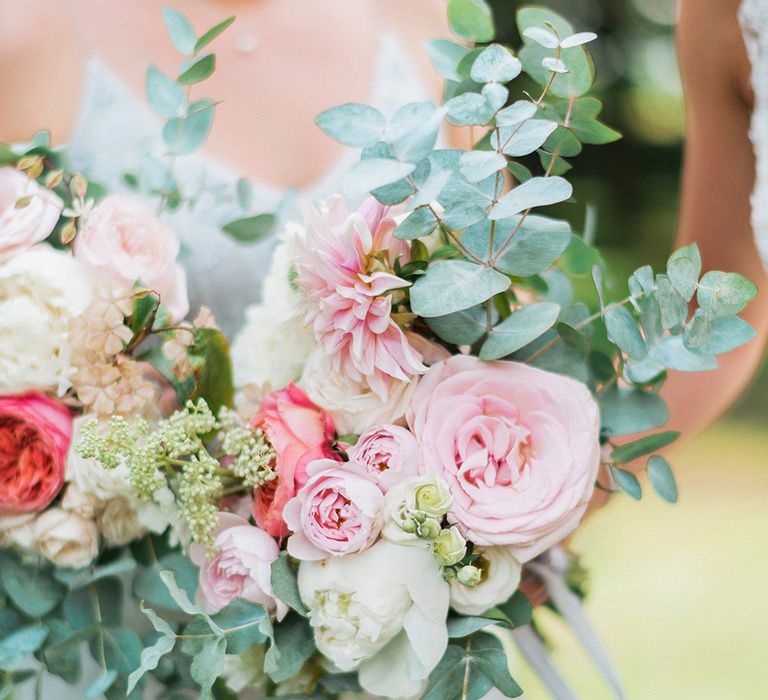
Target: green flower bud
433 497
409 525
449 547
469 576
429 529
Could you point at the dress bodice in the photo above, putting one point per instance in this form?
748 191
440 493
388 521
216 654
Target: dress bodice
117 133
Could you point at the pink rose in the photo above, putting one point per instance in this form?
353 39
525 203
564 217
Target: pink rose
518 447
35 433
388 453
124 242
338 512
22 227
241 568
300 433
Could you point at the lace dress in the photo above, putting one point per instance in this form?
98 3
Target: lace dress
116 132
754 22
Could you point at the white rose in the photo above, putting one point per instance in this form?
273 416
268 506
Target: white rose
41 291
412 503
382 612
353 406
500 579
85 504
18 531
66 539
124 520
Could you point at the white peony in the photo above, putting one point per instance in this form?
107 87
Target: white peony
126 519
41 291
353 406
500 579
66 538
274 342
382 611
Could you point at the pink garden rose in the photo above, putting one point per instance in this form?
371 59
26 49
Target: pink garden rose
35 433
344 266
337 512
123 241
300 433
22 227
518 447
388 453
241 568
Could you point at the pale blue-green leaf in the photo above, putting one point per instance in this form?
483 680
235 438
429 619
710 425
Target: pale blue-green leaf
78 579
683 270
400 190
538 242
101 685
593 132
99 603
157 622
180 30
250 621
149 587
31 588
184 135
469 109
445 56
463 327
642 371
672 353
412 132
212 33
165 96
523 139
199 70
478 165
674 309
15 648
563 142
208 664
454 285
519 172
662 478
627 411
460 627
471 20
251 229
725 293
295 643
244 191
643 446
493 664
122 648
728 333
536 192
352 124
578 39
554 64
495 64
182 599
542 36
650 318
520 329
561 358
420 222
627 482
150 658
285 586
642 281
699 328
458 217
623 331
516 113
431 189
496 95
370 174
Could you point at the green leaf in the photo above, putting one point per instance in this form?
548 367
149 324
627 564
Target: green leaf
627 482
210 358
285 585
412 131
523 139
517 113
150 658
671 352
454 285
725 293
462 327
518 609
662 479
727 333
165 96
622 330
470 109
31 588
251 229
643 446
208 664
149 586
62 653
122 649
627 411
563 142
683 270
184 135
180 30
674 309
521 328
244 191
593 132
373 173
294 644
15 648
99 602
254 620
471 20
102 684
478 165
352 124
536 192
445 56
497 64
7 156
212 33
78 579
199 70
460 626
420 222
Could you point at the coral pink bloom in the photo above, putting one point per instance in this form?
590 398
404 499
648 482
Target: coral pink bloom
300 433
343 269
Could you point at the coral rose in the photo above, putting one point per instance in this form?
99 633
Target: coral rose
300 433
35 433
519 448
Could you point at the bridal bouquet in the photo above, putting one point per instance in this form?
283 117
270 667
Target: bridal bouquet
365 498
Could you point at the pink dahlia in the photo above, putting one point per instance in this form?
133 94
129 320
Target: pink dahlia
344 268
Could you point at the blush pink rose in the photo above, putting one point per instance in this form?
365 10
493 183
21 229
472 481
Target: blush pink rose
299 432
241 567
338 511
388 453
124 242
22 227
518 447
35 433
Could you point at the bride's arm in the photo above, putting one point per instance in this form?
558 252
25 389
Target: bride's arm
718 178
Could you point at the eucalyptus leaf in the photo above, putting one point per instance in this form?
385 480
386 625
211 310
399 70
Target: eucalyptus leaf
412 132
101 685
431 189
150 658
251 229
285 586
352 124
683 270
674 309
445 56
98 603
628 411
208 664
497 64
453 285
536 192
373 173
462 327
471 20
460 626
212 33
184 135
149 586
165 96
180 30
470 109
478 165
662 478
295 643
250 622
518 609
15 648
671 352
728 333
520 329
420 222
32 589
563 142
643 446
516 113
725 293
122 648
622 330
199 70
523 139
627 482
593 132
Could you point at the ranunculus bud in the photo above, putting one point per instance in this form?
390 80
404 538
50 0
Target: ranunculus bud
429 529
449 547
469 575
433 498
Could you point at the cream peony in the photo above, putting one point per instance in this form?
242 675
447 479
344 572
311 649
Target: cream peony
66 539
41 291
123 520
499 580
354 406
382 612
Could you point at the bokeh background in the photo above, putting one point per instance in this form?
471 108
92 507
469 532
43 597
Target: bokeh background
678 593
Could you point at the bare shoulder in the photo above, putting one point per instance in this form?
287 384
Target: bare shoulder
40 50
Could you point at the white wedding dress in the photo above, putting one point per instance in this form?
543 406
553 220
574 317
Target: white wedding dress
116 132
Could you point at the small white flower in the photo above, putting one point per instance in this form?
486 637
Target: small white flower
500 577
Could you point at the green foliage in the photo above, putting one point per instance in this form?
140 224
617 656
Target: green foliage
285 585
210 360
180 30
471 20
521 328
645 445
16 647
251 229
294 643
662 479
33 589
352 124
627 482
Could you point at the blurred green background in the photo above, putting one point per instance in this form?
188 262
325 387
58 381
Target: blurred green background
678 593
